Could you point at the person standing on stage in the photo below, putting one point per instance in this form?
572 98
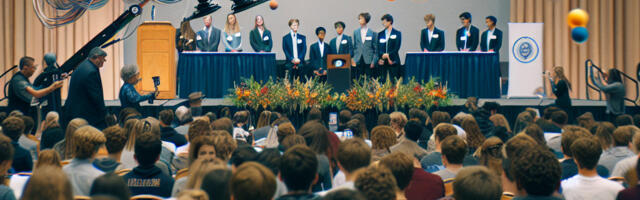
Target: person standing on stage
260 36
21 92
364 49
389 41
341 44
431 38
232 36
467 35
614 90
85 99
560 86
208 38
49 76
294 46
129 97
318 55
491 39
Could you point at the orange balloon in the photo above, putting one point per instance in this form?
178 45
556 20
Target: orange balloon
273 4
577 17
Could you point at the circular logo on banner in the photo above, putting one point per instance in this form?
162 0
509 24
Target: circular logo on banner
525 49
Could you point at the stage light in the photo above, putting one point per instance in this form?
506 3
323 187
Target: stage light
203 8
242 5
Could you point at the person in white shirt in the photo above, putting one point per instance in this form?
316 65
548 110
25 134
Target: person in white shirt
353 154
623 166
587 184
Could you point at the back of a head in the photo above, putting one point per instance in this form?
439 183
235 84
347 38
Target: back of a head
586 120
621 120
285 129
353 154
476 183
438 117
586 152
48 157
184 115
354 126
298 168
241 117
515 146
536 133
270 158
454 149
559 117
536 171
264 119
500 120
252 181
419 115
401 166
110 184
572 133
13 127
224 124
200 168
314 114
192 194
293 140
6 149
115 139
48 182
384 119
242 154
623 135
491 106
344 194
126 114
376 183
547 112
316 136
604 133
28 124
224 144
87 141
475 138
413 130
382 137
166 116
147 148
344 116
443 130
198 128
216 184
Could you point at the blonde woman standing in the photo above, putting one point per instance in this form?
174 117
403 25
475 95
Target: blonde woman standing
232 37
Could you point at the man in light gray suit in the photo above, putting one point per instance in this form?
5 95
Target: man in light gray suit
364 49
208 38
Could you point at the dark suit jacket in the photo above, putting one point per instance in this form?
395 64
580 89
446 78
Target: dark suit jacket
287 47
366 50
390 45
85 99
472 41
346 45
208 43
437 40
319 62
494 44
264 43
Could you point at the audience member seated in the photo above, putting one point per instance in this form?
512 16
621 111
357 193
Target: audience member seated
146 178
242 154
252 181
537 174
604 133
169 134
621 138
316 137
264 125
382 138
433 161
587 184
490 155
401 167
454 150
26 140
202 148
52 133
48 157
6 156
623 166
48 183
194 194
115 141
291 141
270 158
476 183
299 171
632 193
224 144
81 172
65 146
216 184
474 135
343 117
376 183
344 194
110 184
408 145
569 168
437 117
183 114
398 121
384 120
198 128
362 121
13 127
240 119
353 154
423 119
545 121
624 120
355 127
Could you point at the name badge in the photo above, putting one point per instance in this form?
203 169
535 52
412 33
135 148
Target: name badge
368 38
492 37
344 42
393 36
299 41
463 38
383 41
265 38
229 38
435 36
198 38
238 34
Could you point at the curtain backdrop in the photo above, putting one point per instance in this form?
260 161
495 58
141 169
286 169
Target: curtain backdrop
614 36
23 35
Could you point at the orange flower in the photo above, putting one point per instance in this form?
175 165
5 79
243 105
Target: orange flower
247 93
314 95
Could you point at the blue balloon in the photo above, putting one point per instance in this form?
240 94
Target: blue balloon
579 34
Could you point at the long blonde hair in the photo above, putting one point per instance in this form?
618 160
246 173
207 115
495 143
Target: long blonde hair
68 137
231 27
200 168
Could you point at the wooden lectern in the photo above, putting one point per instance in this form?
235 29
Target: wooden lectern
157 57
339 71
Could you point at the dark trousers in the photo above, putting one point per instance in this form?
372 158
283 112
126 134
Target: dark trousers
391 71
300 72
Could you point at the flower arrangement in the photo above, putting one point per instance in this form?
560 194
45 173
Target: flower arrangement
365 94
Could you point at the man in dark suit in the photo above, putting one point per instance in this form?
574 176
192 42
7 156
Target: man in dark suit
318 55
85 99
294 46
389 41
208 38
467 35
341 44
431 38
364 49
491 39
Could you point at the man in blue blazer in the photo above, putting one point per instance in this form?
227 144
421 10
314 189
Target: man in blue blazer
341 44
294 46
208 38
318 55
85 99
364 49
491 39
467 35
431 38
389 41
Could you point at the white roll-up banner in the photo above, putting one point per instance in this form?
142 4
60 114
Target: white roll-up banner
525 59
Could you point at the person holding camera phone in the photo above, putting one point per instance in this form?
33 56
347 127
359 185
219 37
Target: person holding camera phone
129 97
